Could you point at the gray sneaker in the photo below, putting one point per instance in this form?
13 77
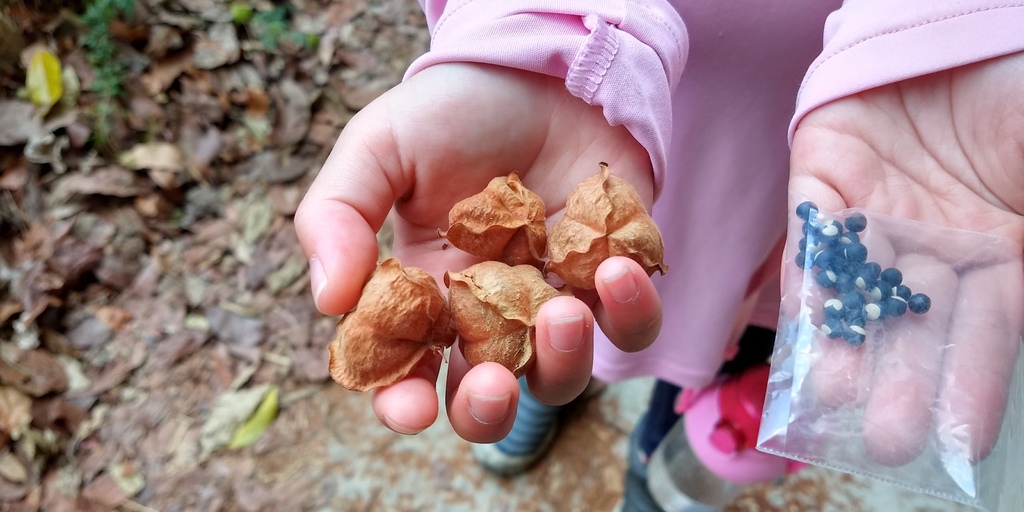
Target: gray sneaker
532 434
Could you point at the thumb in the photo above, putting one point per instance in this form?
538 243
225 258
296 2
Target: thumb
343 209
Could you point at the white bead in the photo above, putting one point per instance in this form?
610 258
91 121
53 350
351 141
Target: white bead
872 311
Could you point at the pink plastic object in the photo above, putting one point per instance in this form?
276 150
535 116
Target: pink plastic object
722 421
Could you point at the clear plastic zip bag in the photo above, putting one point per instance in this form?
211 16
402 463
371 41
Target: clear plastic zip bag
898 355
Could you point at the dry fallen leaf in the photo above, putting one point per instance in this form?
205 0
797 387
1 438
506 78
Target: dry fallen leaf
219 46
11 469
400 319
164 72
15 411
293 113
112 180
33 372
604 217
495 311
164 161
160 156
504 222
18 122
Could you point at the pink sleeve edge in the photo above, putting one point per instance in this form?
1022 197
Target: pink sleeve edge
909 52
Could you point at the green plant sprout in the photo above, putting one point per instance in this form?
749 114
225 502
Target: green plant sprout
271 26
110 71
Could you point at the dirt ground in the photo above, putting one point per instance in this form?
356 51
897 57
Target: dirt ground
159 348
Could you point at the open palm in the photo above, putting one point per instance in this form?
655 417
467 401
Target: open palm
946 149
434 140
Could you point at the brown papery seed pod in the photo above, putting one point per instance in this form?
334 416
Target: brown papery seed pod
604 217
504 222
400 318
495 310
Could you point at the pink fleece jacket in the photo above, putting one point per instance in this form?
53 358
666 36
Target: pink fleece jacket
709 90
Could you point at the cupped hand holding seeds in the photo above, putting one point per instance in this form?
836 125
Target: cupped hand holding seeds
422 147
842 158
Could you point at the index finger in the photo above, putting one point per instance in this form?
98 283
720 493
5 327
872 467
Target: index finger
342 211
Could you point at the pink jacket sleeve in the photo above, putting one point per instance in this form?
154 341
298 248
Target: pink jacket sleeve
869 43
625 56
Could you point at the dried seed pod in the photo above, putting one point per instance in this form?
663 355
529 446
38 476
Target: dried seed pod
604 217
495 311
504 222
401 318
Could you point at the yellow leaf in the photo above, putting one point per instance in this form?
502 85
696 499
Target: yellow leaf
44 79
257 424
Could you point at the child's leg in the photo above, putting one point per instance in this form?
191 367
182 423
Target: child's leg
755 345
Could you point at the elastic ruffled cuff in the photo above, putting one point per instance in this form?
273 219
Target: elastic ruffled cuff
595 58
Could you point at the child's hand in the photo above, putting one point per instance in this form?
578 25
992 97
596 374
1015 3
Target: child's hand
947 149
434 140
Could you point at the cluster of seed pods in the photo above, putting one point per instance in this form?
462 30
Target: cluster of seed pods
863 291
403 317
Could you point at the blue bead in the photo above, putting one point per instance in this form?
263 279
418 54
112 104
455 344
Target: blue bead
867 276
832 328
826 278
891 276
833 308
801 260
844 282
856 252
806 210
850 237
856 222
830 231
852 300
919 303
826 260
854 316
903 291
873 269
895 306
813 241
854 335
873 311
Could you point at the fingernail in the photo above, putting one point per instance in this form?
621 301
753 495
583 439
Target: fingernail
388 422
489 409
621 285
565 333
317 279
